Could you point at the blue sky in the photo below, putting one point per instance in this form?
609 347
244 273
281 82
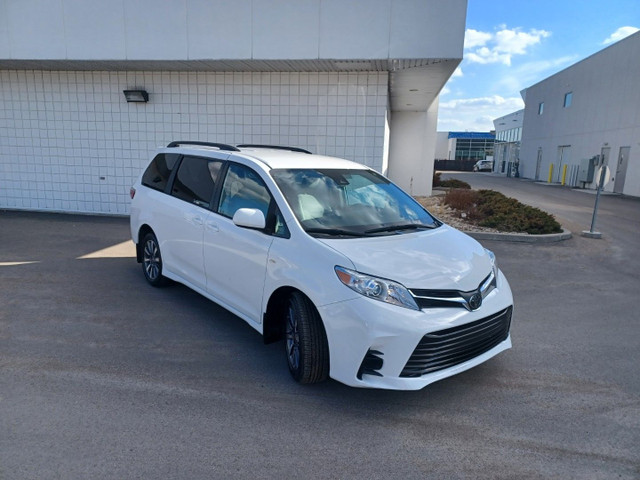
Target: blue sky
513 44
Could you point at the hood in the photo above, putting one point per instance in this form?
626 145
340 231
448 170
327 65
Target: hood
443 258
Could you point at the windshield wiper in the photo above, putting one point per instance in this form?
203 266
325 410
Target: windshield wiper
404 226
335 232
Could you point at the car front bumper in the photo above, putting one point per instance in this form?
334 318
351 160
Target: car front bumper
369 328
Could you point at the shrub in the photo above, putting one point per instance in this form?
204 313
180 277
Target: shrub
454 183
509 215
461 199
464 201
494 210
436 179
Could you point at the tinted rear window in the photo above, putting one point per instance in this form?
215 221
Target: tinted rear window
158 172
195 180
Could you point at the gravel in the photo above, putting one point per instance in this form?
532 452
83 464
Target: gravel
448 215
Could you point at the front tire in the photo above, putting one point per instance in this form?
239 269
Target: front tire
306 344
152 261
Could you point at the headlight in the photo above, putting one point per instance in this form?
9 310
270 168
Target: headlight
377 288
494 262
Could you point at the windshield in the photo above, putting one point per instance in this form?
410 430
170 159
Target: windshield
347 203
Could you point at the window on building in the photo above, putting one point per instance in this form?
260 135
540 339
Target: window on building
567 99
540 108
473 149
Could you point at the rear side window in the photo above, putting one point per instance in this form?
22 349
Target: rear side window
195 180
157 174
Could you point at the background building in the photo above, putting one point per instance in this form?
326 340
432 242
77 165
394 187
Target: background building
358 80
461 150
585 116
507 146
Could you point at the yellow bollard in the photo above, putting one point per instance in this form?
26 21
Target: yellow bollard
564 173
550 173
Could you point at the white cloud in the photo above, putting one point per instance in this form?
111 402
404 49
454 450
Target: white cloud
474 38
485 55
475 114
485 47
619 34
457 73
515 42
481 102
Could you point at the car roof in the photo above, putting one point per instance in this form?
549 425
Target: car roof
270 158
286 159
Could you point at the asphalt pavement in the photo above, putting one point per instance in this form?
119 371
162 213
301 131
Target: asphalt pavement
103 376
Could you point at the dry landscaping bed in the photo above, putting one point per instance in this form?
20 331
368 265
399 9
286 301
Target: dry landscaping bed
488 211
448 215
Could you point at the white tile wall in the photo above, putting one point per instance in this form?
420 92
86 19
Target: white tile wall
70 142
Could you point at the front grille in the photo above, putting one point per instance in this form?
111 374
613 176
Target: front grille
446 348
452 298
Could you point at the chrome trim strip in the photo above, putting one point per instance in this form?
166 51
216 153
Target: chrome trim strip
484 289
443 299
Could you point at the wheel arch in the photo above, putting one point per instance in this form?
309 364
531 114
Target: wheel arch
142 231
273 318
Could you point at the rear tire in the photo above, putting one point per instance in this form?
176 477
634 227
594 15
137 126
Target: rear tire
306 344
152 261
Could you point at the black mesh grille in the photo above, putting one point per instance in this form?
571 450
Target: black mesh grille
446 348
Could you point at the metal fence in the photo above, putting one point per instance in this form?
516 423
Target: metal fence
459 165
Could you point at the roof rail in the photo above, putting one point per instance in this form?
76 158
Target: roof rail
221 146
275 147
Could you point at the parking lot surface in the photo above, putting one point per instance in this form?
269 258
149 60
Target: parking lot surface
103 376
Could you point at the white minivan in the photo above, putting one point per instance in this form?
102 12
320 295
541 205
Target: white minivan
358 280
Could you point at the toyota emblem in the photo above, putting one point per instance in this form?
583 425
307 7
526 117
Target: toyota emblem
475 301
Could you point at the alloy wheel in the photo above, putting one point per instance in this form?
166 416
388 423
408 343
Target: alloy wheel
293 339
151 259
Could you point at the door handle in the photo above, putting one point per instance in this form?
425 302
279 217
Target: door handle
197 220
213 227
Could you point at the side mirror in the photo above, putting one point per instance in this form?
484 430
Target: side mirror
249 218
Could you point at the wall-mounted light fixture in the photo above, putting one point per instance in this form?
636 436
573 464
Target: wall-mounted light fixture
136 95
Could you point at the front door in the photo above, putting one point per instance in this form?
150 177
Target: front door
621 169
235 258
538 164
504 158
563 159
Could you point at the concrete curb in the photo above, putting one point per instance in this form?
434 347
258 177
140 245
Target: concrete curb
521 237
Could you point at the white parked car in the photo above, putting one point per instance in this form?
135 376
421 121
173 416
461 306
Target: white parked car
360 282
483 166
